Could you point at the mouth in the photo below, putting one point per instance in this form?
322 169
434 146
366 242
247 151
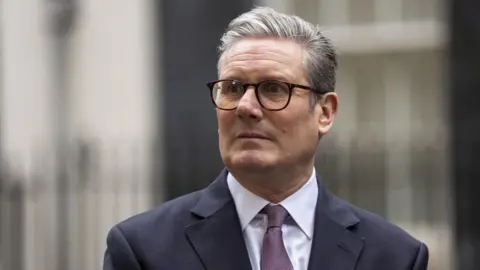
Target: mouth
253 135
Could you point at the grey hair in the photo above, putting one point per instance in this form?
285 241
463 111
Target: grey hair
321 57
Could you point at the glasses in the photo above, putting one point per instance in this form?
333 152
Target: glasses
272 95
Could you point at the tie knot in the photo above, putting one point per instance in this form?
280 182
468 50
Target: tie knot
276 215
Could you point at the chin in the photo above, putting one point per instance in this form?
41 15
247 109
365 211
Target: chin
251 159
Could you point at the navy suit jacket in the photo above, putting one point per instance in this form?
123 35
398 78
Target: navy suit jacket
201 230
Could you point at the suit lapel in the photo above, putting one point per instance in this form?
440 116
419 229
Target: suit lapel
217 237
335 246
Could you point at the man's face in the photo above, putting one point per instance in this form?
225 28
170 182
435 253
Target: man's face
290 135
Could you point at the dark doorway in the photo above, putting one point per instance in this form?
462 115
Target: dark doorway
465 122
190 34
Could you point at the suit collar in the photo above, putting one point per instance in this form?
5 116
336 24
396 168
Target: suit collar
334 208
218 238
335 245
214 197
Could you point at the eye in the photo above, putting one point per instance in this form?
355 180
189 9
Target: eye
273 88
231 87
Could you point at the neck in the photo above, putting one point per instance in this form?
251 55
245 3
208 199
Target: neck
275 185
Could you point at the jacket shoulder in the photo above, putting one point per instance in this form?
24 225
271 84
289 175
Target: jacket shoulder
387 244
144 236
175 211
375 226
381 237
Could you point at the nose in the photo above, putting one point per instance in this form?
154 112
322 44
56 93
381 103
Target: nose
249 107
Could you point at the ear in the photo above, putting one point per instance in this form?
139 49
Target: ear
329 107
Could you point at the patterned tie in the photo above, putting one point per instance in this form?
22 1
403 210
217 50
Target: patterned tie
274 255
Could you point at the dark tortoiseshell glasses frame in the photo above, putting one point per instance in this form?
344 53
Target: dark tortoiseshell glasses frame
245 86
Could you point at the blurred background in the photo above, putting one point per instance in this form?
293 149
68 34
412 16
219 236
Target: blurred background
104 113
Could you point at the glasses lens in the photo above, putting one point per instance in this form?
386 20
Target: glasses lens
273 95
226 94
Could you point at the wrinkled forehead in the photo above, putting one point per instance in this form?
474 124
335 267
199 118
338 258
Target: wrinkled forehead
260 54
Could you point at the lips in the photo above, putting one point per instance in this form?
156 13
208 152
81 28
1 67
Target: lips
253 135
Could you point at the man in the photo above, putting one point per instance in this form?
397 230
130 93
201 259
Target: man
268 210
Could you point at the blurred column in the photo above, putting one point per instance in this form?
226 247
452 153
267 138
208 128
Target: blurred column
27 135
398 140
191 33
62 14
465 123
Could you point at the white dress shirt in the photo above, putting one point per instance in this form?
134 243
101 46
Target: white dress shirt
297 230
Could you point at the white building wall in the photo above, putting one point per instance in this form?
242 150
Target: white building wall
112 103
26 120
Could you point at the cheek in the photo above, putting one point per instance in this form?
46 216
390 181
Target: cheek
225 121
222 118
296 130
286 127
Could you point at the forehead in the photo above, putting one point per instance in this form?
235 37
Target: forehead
262 57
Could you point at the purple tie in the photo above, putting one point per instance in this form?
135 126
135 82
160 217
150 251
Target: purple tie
274 255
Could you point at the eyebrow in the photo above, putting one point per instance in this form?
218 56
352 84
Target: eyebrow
259 79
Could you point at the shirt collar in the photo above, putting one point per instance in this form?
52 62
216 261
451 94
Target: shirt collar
300 205
248 204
